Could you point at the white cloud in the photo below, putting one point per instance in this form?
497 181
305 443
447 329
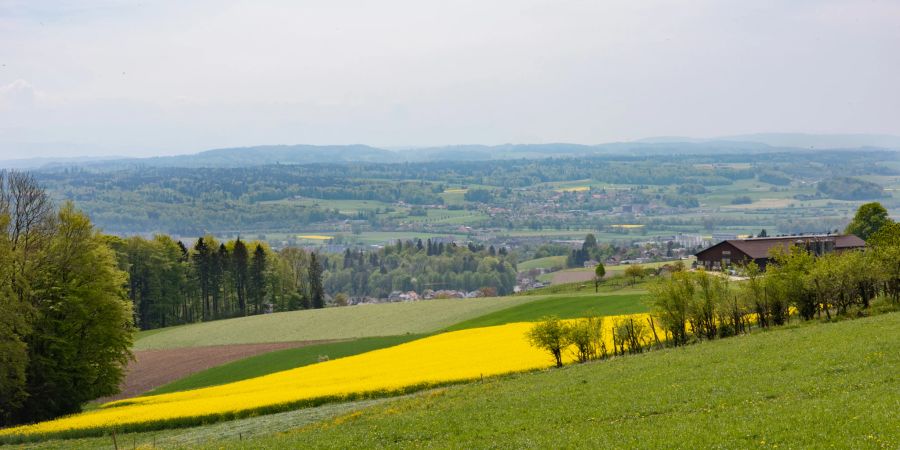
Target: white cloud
18 94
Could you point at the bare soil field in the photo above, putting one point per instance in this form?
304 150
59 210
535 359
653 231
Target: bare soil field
568 276
154 368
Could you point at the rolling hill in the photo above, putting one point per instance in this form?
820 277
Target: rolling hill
386 319
756 390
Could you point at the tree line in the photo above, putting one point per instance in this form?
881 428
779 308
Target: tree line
701 305
170 283
65 321
417 265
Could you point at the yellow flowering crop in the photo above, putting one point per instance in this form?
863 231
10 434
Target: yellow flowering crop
447 357
316 237
574 189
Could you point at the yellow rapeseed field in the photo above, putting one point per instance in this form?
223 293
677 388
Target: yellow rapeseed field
447 357
316 237
574 189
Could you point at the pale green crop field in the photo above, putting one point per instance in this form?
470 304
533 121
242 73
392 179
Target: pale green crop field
385 319
542 263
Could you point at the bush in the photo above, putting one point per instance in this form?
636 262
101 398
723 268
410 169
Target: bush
587 337
553 335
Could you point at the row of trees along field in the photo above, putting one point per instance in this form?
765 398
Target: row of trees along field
695 306
65 322
172 284
700 305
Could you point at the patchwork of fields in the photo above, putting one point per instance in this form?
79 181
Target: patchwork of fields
360 385
753 391
386 319
443 358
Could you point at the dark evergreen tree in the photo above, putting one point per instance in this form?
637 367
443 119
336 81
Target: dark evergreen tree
240 261
316 291
223 260
257 281
202 259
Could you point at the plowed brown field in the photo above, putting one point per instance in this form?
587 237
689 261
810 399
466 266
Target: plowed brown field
154 368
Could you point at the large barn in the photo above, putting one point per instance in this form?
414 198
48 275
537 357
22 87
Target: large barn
742 251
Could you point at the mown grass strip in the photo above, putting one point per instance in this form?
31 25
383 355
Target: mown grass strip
563 306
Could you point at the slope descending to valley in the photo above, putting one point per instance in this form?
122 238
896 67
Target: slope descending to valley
836 382
385 319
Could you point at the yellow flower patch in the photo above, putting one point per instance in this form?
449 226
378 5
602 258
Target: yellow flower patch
316 237
447 357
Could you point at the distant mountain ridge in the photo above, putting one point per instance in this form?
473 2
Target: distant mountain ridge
312 154
797 140
276 154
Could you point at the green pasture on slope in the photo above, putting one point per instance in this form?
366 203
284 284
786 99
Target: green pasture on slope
563 306
384 319
542 263
803 386
810 386
612 270
266 363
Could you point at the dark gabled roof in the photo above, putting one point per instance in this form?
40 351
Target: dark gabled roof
756 248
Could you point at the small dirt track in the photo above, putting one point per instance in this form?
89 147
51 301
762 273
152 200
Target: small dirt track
154 368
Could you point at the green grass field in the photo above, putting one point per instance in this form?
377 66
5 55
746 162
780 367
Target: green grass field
563 306
266 363
611 271
811 386
542 263
344 206
386 319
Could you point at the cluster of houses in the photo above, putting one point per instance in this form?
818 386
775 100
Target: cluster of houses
428 294
524 283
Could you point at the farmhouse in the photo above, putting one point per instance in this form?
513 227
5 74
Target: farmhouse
742 251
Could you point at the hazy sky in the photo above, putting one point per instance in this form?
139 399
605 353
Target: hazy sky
107 77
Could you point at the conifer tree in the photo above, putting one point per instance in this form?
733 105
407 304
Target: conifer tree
202 259
223 266
316 292
257 281
240 273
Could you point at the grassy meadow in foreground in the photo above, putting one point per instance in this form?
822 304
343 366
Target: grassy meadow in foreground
385 319
837 382
811 385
